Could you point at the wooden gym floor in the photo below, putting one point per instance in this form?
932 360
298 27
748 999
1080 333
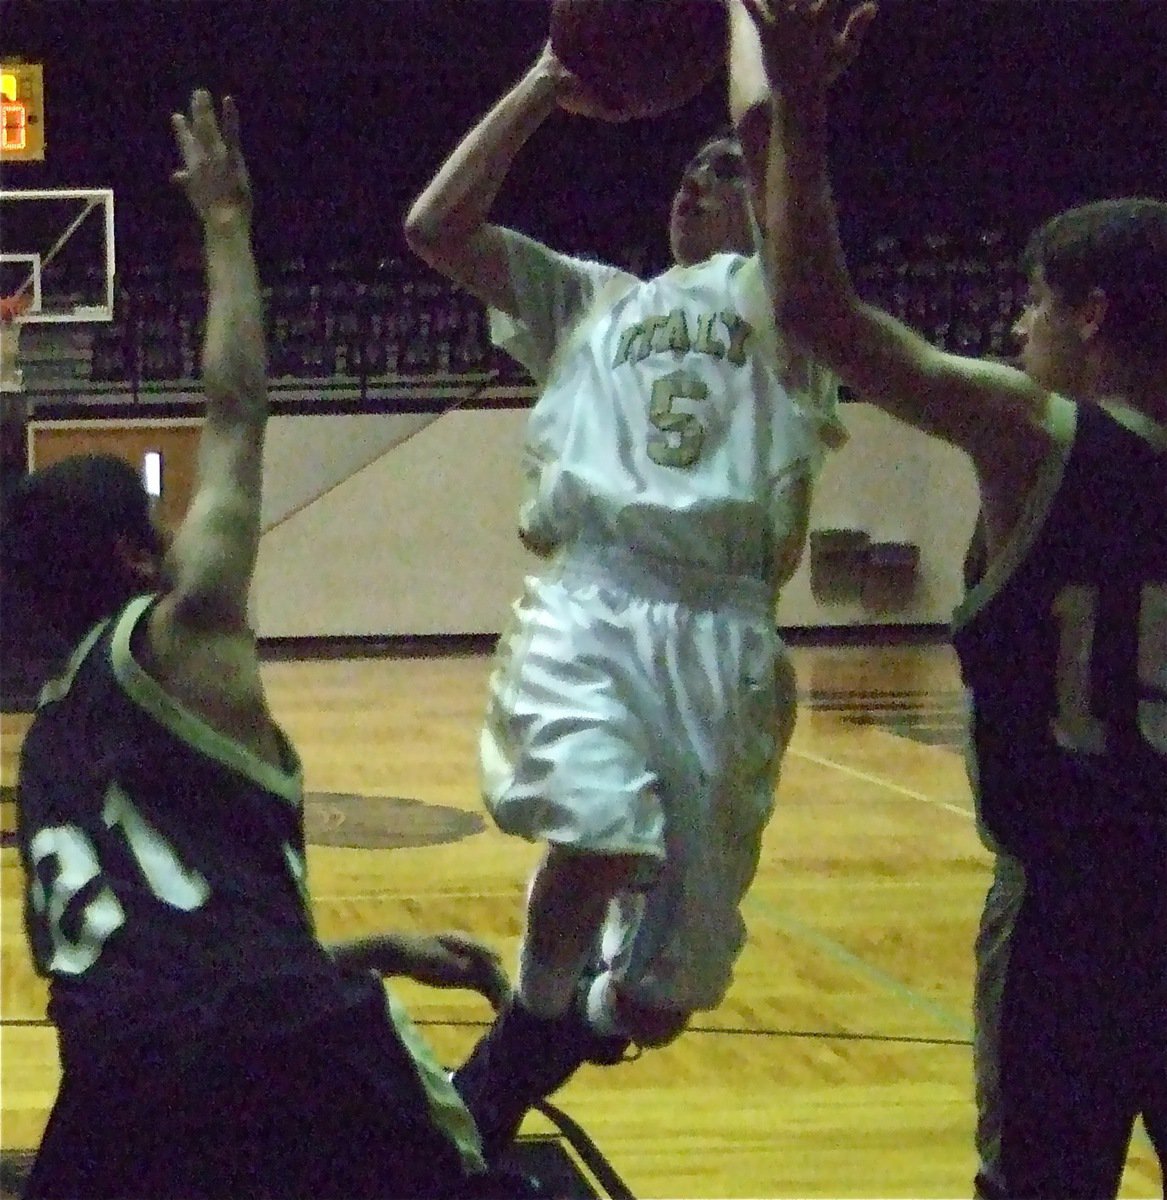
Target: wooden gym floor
839 1066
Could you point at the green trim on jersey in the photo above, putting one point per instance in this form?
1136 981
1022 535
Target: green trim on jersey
58 687
1138 423
1025 532
148 694
450 1114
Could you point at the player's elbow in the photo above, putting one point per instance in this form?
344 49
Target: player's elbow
420 228
429 233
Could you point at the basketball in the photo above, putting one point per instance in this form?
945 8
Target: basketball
640 57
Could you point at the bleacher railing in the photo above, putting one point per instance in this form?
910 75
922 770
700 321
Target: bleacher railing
365 331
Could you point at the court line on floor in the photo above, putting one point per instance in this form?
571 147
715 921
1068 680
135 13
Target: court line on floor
861 966
825 1035
879 781
840 952
837 950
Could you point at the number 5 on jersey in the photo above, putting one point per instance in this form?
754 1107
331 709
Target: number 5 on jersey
681 435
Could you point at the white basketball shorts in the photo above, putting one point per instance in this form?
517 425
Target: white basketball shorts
642 708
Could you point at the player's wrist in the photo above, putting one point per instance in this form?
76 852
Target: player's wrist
543 85
226 221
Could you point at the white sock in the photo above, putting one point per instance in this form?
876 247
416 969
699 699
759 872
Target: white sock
601 1006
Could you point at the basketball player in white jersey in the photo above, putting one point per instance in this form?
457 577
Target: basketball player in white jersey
642 698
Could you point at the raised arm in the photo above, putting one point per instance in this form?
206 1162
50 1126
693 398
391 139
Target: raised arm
751 108
751 97
750 101
447 225
211 561
973 404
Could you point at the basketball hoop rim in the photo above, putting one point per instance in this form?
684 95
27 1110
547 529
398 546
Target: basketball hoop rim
13 308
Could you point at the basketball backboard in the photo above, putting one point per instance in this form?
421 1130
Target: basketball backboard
57 247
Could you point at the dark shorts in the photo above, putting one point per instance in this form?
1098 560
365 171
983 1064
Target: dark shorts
1071 1024
329 1112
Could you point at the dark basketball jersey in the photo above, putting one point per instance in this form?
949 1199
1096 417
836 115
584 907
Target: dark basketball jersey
1066 657
165 863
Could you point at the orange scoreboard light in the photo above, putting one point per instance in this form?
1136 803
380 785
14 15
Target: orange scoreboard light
22 112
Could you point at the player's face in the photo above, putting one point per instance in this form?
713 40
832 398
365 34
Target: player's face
146 564
1051 345
710 212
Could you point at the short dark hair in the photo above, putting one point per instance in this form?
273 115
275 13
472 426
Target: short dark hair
726 134
726 138
723 133
1120 247
60 526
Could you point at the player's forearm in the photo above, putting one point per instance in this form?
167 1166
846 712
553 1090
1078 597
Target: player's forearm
234 354
749 100
458 200
803 242
748 84
749 94
877 356
383 953
214 551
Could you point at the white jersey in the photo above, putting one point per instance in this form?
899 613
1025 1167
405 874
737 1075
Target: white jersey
669 419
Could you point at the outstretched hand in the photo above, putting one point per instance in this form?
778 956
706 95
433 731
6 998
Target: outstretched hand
213 172
454 960
448 960
808 44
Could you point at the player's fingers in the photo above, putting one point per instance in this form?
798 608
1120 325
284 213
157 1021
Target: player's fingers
183 136
206 128
850 40
858 19
481 966
497 986
462 943
231 124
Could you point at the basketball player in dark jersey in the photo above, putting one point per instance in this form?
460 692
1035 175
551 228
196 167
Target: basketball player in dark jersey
1062 640
210 1045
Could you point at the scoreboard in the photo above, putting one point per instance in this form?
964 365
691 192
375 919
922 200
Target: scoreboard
22 112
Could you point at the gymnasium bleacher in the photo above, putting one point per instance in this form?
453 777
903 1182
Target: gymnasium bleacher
360 323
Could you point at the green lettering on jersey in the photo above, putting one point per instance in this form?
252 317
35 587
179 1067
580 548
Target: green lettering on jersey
680 434
670 334
651 342
739 331
674 333
705 342
626 339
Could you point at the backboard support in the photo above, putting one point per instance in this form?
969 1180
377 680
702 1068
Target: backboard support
59 245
